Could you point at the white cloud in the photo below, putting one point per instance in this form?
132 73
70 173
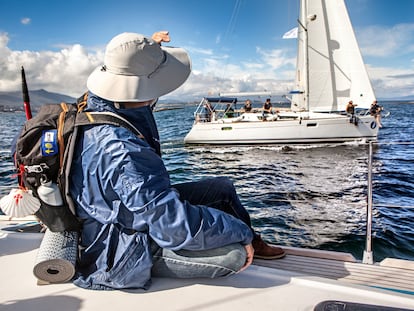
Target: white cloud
388 82
64 71
380 41
396 45
271 70
26 21
218 39
276 59
200 51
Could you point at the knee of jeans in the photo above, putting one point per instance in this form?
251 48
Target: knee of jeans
226 185
226 181
235 258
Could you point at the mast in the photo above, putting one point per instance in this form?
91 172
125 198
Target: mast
304 24
304 21
301 98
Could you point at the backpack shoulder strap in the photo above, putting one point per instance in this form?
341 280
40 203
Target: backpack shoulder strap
106 117
96 118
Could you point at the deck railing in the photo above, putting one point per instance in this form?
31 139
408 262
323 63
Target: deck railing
368 254
368 257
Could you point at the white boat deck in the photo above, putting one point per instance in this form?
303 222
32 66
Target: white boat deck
296 282
391 273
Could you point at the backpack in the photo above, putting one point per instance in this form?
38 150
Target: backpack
44 152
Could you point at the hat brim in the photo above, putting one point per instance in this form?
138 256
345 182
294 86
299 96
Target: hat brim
171 74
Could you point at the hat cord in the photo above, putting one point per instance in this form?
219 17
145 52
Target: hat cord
164 58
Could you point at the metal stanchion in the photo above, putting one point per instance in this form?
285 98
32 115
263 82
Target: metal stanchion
368 256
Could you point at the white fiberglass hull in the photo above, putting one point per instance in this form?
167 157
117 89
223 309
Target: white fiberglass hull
319 128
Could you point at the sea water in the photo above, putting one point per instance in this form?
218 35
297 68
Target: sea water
312 196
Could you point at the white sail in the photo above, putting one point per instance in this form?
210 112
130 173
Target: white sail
330 59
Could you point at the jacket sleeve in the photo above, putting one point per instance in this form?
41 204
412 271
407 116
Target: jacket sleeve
144 200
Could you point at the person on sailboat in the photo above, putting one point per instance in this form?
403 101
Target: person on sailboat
229 112
209 112
267 109
135 224
375 111
350 110
247 106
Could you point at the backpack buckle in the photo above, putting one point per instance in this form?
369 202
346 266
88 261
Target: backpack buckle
38 168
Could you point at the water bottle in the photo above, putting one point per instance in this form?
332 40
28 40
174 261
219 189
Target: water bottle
49 193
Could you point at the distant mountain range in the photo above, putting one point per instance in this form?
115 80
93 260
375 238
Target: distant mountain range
14 100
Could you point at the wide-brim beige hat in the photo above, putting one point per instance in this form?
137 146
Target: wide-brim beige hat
136 68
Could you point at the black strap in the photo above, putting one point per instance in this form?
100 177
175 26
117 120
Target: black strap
95 118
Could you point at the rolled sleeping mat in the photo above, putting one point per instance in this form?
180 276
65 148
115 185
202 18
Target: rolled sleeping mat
56 258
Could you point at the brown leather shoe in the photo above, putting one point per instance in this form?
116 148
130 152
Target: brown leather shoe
265 251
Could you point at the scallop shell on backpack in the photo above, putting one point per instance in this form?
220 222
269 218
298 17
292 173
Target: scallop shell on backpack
19 203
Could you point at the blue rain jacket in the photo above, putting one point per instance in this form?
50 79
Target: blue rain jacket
124 197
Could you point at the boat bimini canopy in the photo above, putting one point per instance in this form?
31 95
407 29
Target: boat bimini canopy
221 99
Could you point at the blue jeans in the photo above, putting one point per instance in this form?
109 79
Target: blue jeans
212 263
224 261
218 192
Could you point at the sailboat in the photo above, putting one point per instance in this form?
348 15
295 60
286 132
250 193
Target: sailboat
330 73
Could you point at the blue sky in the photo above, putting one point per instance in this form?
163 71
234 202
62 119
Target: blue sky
235 45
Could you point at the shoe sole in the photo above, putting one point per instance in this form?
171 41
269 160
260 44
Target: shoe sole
270 257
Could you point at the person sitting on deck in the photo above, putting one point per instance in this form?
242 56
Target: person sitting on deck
208 112
247 106
267 109
350 110
135 223
375 111
229 112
